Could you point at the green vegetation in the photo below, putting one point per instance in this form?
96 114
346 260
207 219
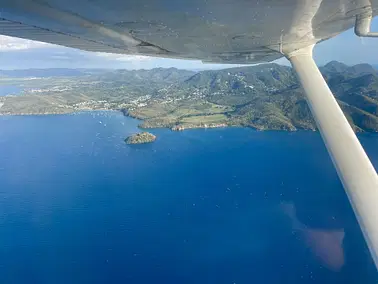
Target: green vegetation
140 138
213 118
263 97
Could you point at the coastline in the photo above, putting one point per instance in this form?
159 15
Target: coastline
178 127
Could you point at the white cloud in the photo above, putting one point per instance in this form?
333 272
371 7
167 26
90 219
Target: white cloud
8 43
122 57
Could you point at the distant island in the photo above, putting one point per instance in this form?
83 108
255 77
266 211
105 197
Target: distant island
140 138
264 97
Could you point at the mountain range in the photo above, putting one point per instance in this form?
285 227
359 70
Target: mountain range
265 97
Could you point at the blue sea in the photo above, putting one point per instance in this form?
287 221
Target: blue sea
6 90
78 205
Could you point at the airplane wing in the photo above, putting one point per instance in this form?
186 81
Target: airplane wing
222 31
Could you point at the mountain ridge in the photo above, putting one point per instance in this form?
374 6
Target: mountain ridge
265 96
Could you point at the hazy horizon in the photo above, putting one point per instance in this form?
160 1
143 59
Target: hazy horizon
187 69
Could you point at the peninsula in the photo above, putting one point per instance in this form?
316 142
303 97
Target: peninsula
264 97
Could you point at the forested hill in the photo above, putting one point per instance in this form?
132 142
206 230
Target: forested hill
265 96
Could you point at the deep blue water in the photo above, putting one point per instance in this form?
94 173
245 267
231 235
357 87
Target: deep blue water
6 90
78 205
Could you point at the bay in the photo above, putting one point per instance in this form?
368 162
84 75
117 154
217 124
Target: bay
6 90
78 205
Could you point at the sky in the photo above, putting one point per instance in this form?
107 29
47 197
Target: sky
18 53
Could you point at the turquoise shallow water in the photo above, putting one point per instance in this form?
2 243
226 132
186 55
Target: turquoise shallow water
78 205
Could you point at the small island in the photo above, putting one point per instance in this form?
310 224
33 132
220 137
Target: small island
140 138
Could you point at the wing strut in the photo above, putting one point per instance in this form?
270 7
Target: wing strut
354 168
363 24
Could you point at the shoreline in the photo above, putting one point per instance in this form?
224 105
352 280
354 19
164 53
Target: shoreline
176 128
